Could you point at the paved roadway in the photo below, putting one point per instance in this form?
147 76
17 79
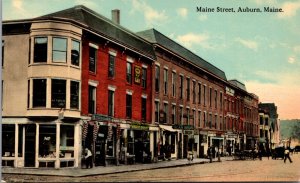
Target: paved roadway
246 170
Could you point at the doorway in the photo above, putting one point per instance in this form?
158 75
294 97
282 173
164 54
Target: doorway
30 132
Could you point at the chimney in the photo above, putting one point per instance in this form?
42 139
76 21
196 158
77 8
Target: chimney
115 16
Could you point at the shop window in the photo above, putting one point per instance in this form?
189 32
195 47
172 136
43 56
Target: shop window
47 141
144 108
40 49
74 95
157 77
75 53
67 141
144 77
59 50
130 136
128 106
58 93
129 72
20 145
8 140
111 102
111 66
111 142
92 99
39 93
92 59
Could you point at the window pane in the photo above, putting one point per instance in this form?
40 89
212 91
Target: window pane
93 59
40 49
47 141
128 72
67 141
110 103
59 52
58 92
39 93
128 106
144 77
111 67
75 53
74 95
8 140
92 99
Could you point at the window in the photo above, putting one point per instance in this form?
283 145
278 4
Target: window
39 93
188 89
216 122
111 66
199 93
129 72
59 50
58 93
204 120
74 100
194 92
144 77
156 111
194 118
92 99
28 93
261 120
157 78
67 140
128 106
8 140
187 116
144 108
204 95
221 123
111 102
173 84
92 59
40 49
210 120
47 141
181 87
216 98
199 118
165 113
165 81
210 96
181 115
225 124
75 53
221 101
173 114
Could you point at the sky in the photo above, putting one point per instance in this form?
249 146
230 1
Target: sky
260 49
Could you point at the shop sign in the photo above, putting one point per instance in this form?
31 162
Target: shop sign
139 126
188 132
183 127
137 74
101 117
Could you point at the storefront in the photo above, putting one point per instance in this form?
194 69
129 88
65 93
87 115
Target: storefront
40 144
168 142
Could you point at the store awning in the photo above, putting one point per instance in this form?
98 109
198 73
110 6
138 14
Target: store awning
168 128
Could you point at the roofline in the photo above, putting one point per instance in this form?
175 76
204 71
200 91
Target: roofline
84 27
189 62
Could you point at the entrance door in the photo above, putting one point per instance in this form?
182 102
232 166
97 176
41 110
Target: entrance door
30 132
185 145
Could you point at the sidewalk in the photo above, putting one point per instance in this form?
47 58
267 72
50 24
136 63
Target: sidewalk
100 170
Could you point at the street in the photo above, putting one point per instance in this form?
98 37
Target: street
238 170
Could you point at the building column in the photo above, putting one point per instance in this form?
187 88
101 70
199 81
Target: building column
57 162
16 145
77 145
37 145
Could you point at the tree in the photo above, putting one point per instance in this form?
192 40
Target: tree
295 131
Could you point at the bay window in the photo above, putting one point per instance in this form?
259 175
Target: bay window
59 50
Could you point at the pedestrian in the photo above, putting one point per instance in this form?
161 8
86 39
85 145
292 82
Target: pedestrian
287 154
88 158
260 154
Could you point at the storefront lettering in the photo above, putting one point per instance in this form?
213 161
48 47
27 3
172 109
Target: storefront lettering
139 126
183 127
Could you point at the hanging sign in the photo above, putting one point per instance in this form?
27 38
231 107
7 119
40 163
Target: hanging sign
137 74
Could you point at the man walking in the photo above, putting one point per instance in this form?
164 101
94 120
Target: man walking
287 154
88 158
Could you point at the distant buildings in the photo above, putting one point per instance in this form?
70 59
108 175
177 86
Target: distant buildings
74 79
